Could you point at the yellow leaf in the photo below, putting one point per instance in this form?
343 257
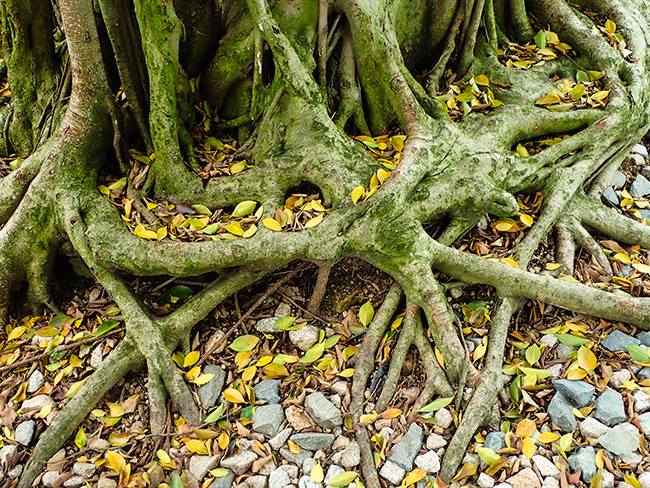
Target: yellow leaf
263 361
587 359
506 226
202 379
525 428
315 221
74 389
223 440
414 476
80 439
151 205
526 219
391 413
115 409
234 228
610 26
548 437
143 233
368 418
482 80
643 268
440 358
528 447
600 459
510 262
382 175
191 359
316 474
117 462
249 373
233 396
197 446
218 472
553 266
479 352
357 193
293 447
576 374
274 370
468 470
622 258
250 232
16 333
272 224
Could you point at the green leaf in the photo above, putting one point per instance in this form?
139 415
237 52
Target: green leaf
244 208
283 323
540 39
488 456
105 326
247 413
244 343
436 405
214 416
582 76
572 340
638 353
181 292
59 321
80 439
343 479
533 354
366 313
313 353
176 481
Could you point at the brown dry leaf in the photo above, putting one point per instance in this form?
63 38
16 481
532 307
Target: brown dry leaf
525 428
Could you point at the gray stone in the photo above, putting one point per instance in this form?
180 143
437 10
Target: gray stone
638 159
292 470
617 340
50 477
608 480
609 409
307 482
640 149
407 448
428 461
341 443
561 413
590 427
239 463
224 481
351 456
267 325
633 459
323 411
296 458
641 401
485 481
283 310
267 419
550 483
392 472
332 471
644 372
87 470
526 478
622 439
503 485
340 387
563 351
25 432
644 479
556 370
305 337
105 482
549 339
280 438
279 478
644 422
618 378
268 390
644 337
35 404
74 481
97 357
472 458
35 381
15 472
313 440
545 466
584 459
435 441
308 464
209 393
200 465
610 196
7 453
579 393
495 441
256 481
443 418
618 181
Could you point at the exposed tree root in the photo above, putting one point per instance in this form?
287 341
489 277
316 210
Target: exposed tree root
449 175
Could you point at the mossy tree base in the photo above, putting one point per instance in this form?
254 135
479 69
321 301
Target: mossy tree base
310 71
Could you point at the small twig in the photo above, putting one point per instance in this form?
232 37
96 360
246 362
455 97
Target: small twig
270 291
304 309
67 347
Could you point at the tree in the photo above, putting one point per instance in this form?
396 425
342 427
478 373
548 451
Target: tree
290 79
